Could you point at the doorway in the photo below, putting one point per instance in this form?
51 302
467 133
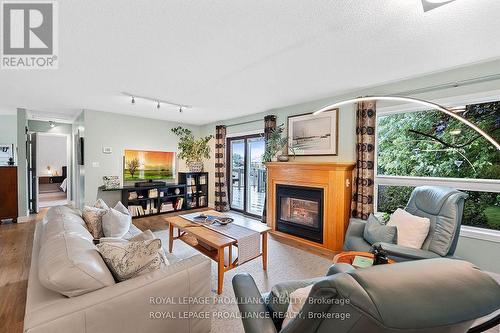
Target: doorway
247 174
50 184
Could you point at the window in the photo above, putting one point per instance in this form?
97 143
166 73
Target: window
429 147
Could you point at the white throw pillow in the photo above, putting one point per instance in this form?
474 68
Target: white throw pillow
297 300
116 223
412 230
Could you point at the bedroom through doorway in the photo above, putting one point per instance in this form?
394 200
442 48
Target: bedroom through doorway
52 160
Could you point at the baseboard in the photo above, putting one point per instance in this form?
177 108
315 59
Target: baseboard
23 219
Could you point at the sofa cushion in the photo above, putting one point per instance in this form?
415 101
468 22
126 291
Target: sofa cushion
129 259
375 231
133 231
93 220
71 265
412 230
63 210
68 224
116 223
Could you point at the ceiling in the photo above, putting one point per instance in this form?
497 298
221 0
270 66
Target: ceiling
234 58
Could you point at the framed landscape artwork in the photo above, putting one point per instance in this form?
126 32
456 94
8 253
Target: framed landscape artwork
146 165
310 135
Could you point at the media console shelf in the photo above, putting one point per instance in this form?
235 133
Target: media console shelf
190 193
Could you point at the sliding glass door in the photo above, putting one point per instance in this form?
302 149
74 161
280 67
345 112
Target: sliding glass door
247 174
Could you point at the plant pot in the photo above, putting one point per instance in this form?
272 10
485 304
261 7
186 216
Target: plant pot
195 166
283 158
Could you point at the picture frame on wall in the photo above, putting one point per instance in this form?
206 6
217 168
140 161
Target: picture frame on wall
314 135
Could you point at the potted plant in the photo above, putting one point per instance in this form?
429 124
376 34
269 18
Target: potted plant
192 150
275 145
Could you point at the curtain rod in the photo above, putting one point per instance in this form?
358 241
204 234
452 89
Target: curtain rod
454 84
246 122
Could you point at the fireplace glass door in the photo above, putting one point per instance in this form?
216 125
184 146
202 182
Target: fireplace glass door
300 211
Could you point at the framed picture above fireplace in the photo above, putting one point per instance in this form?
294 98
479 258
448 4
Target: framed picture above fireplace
310 135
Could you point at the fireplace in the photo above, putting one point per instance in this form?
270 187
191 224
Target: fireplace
300 211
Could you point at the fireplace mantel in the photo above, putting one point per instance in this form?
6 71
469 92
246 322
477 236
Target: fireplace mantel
333 178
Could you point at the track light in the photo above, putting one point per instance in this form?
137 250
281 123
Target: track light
158 105
52 124
133 100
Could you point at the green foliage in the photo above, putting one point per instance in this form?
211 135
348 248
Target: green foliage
433 144
237 161
275 144
481 209
402 152
191 149
391 198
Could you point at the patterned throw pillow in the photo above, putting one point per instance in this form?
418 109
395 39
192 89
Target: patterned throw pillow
101 204
130 259
93 219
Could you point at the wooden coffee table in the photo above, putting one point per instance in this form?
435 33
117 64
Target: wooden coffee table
215 245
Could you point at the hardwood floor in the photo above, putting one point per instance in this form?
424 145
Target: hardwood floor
16 241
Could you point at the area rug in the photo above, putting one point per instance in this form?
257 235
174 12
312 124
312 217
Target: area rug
285 263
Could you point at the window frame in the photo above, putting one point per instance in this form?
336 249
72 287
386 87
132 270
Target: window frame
469 184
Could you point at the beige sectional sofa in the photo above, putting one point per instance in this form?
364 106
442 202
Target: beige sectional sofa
66 262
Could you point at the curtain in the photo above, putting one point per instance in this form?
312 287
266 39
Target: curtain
363 181
221 200
269 126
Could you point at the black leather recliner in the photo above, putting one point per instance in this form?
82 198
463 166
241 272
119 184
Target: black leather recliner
431 296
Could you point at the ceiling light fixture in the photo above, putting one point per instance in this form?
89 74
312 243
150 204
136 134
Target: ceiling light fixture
432 4
431 105
180 109
52 124
158 101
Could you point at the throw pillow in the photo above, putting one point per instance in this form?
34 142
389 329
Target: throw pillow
115 223
412 230
121 208
375 231
297 300
93 219
128 260
101 204
145 235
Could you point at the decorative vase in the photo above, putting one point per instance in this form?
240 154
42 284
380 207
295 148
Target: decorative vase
195 166
283 158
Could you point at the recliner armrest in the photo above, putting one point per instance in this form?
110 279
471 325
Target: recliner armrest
340 268
254 314
404 252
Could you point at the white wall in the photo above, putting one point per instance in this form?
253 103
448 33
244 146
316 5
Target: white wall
8 132
8 128
120 132
52 151
22 164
